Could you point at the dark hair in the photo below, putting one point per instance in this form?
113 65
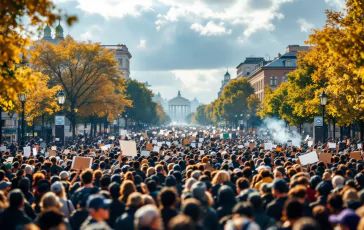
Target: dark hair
191 207
181 222
168 197
86 176
50 219
335 201
293 209
243 209
226 196
16 198
2 175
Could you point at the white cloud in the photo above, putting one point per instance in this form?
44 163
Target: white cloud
210 29
241 13
305 26
115 8
142 43
91 32
339 4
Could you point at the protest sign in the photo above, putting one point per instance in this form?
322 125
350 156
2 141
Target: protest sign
128 148
104 148
355 155
325 157
26 151
154 142
159 144
149 147
200 140
52 153
168 143
81 162
268 146
332 145
199 145
240 146
123 132
10 159
54 147
2 148
289 143
156 148
310 143
34 152
66 151
202 152
308 158
193 145
145 153
359 146
252 145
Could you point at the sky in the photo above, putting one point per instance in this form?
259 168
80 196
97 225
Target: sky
188 45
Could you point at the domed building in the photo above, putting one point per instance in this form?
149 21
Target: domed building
224 82
47 35
179 107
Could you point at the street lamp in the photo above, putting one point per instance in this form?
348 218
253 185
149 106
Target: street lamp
323 101
22 98
126 121
119 116
61 98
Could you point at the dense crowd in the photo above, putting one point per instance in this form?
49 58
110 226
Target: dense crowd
207 182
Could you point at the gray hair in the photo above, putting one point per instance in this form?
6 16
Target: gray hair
145 216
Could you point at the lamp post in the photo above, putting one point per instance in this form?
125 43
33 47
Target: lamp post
323 101
22 98
126 121
119 116
60 119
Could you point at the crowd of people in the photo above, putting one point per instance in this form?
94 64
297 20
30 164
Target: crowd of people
207 182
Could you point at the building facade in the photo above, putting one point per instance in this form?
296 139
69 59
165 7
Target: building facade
194 105
123 56
273 73
178 108
9 124
224 82
245 68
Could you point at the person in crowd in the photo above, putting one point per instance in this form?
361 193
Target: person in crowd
168 199
279 190
67 206
98 208
148 217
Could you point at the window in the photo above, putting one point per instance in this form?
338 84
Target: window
273 81
247 71
121 62
288 63
284 78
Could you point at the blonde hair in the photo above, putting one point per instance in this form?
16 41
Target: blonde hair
350 194
50 201
147 199
220 177
150 171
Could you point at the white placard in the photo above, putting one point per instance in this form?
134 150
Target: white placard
54 148
179 145
268 146
202 152
9 159
199 145
154 142
246 144
26 151
175 142
156 148
112 138
159 144
145 153
332 145
123 132
166 157
240 146
34 152
2 148
359 146
310 143
168 143
200 139
193 145
309 158
128 148
104 148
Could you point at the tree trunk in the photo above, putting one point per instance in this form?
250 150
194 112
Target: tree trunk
334 126
361 127
73 124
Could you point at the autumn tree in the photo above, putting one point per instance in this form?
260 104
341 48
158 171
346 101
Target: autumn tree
19 20
88 74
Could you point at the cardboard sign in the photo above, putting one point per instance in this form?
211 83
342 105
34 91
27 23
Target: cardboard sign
169 136
81 162
332 145
308 158
66 151
52 153
325 157
145 153
128 148
252 145
186 142
355 155
149 147
268 146
54 147
26 151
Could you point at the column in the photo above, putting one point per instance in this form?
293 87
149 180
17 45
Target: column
175 111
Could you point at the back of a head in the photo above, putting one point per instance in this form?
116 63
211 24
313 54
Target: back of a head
181 222
243 209
146 216
135 200
226 195
49 200
51 219
306 223
191 207
16 198
168 197
293 209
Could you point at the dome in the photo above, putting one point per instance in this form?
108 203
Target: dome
179 100
59 30
47 31
227 73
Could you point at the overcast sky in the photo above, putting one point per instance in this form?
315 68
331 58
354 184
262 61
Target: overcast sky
188 45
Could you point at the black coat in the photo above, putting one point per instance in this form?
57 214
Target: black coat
126 221
12 218
275 208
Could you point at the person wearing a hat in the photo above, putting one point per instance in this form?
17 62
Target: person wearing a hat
98 208
67 206
8 171
347 219
279 191
210 218
323 189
